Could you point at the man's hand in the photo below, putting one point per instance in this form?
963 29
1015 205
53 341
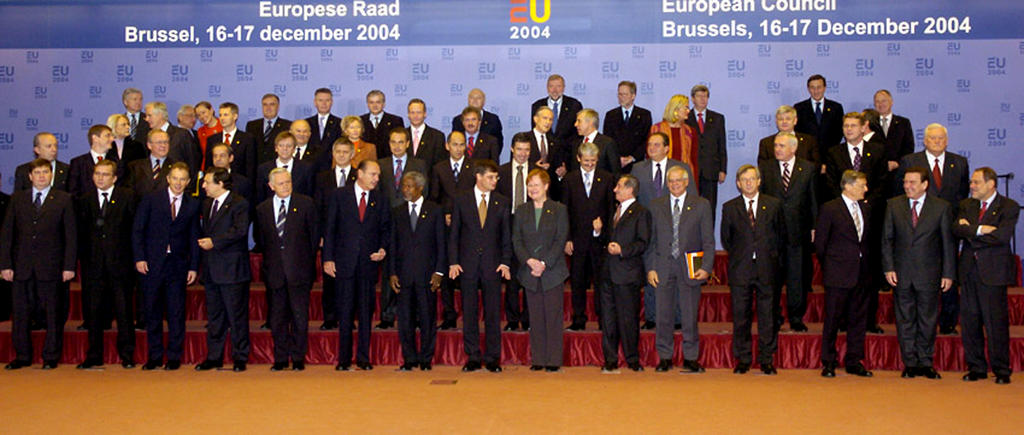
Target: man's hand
378 256
504 272
652 278
448 220
701 275
454 271
890 277
614 248
986 229
721 177
597 225
568 247
329 269
543 165
206 243
435 282
625 160
67 275
823 169
812 236
191 277
536 267
893 165
7 274
946 284
963 221
395 286
142 267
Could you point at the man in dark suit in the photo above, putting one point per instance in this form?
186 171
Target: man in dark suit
37 252
377 124
949 179
186 118
586 126
479 145
785 121
629 126
794 181
563 107
80 171
895 130
415 268
356 240
243 145
302 172
222 156
753 231
44 146
620 246
166 253
181 149
265 129
304 152
448 179
341 174
588 196
919 260
391 170
512 184
427 143
841 241
131 98
224 239
105 217
712 157
682 229
290 229
489 122
547 152
986 225
324 127
819 117
480 251
150 174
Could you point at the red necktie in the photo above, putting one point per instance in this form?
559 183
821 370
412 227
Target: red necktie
586 139
700 122
99 159
913 214
937 176
362 207
981 213
227 138
471 144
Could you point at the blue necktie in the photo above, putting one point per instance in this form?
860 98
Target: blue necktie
817 111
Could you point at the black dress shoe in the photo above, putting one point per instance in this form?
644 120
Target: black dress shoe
769 369
576 326
536 368
741 368
343 367
610 369
928 372
493 367
426 367
447 324
525 326
797 326
829 370
279 366
947 330
209 365
49 365
974 376
239 366
471 366
649 325
151 365
1002 379
875 329
87 364
663 366
511 326
859 370
407 367
385 324
692 367
172 365
128 364
552 369
636 367
364 365
329 325
909 373
298 366
15 365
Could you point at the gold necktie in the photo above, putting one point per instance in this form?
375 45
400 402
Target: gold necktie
482 209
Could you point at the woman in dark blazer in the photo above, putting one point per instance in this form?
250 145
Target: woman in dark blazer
539 232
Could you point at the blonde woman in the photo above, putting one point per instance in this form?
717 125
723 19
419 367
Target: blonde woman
127 148
682 138
352 128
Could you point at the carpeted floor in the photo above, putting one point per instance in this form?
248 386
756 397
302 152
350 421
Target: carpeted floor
577 400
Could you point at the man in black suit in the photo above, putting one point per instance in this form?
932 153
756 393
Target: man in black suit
427 143
785 121
620 248
150 174
949 179
841 241
222 156
324 127
80 171
415 268
986 224
105 217
479 145
181 149
224 240
547 152
356 240
895 130
586 126
819 117
290 229
919 260
752 230
131 98
167 256
44 146
512 184
318 157
377 124
302 172
563 107
489 122
243 145
448 179
712 157
186 118
794 181
37 252
341 174
265 129
629 126
480 251
391 170
588 195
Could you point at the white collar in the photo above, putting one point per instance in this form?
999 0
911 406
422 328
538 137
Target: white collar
849 202
290 163
791 162
821 101
172 195
109 191
232 132
359 191
96 155
220 199
990 199
457 162
165 126
478 192
625 204
417 203
919 200
672 199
